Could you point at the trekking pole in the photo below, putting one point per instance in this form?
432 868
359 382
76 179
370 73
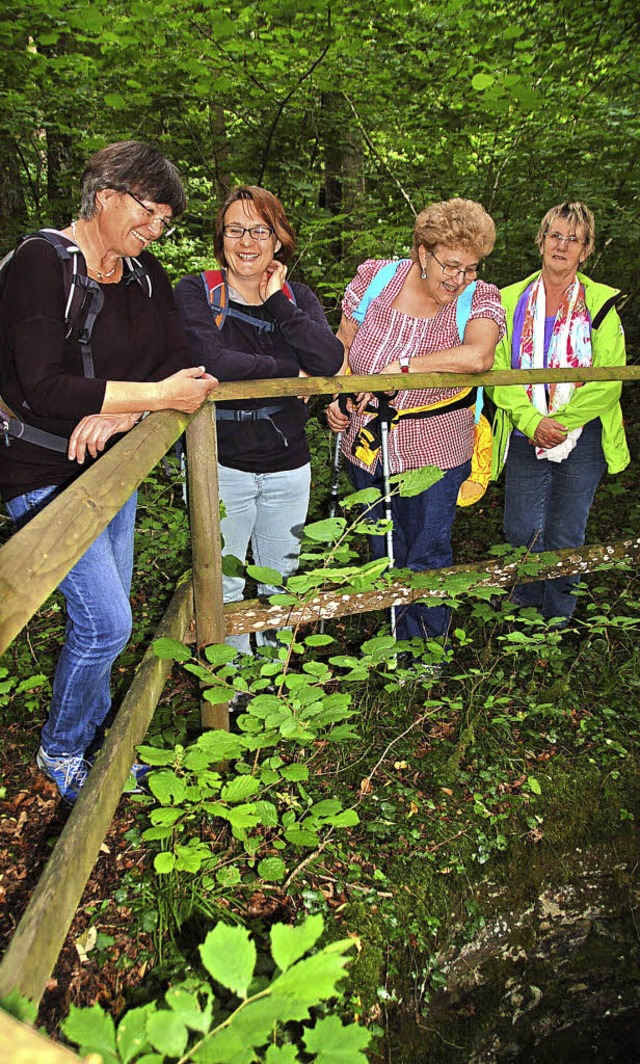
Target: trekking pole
334 490
383 408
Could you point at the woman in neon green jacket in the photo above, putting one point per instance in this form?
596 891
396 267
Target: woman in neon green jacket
556 441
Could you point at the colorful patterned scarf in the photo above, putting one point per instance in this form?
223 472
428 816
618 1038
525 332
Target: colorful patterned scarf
570 346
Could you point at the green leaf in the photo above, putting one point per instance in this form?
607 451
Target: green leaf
337 1043
19 1006
319 640
267 812
312 980
167 1033
228 877
186 1005
301 837
164 862
415 481
170 650
229 956
289 944
218 694
91 1029
132 1033
365 497
281 1055
272 869
348 819
295 773
533 784
327 531
239 789
480 82
264 575
153 756
326 807
220 653
220 745
166 786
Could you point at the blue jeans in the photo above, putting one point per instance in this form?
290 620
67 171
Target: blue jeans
421 540
96 591
267 510
546 508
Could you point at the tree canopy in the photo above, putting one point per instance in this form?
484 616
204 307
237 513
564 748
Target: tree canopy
356 115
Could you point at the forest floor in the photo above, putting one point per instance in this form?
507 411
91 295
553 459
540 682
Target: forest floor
450 801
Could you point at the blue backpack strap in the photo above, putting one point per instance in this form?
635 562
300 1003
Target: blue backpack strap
463 313
376 285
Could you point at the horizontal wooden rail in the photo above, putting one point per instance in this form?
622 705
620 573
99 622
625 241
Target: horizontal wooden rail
39 936
391 381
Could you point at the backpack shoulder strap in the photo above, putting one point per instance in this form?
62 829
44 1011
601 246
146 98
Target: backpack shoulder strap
463 308
376 285
217 293
137 271
608 305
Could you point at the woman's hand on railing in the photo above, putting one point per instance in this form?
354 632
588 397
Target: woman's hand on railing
93 432
185 390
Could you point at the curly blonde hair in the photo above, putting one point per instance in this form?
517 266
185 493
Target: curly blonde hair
577 215
454 223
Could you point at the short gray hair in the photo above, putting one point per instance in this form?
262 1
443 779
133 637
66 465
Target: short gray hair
131 166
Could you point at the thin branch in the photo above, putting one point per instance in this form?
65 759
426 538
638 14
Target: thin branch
281 106
374 151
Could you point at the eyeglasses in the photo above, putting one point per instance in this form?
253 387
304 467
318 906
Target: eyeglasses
166 228
558 238
449 270
256 232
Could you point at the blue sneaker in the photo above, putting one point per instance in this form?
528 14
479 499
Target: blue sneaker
69 773
137 780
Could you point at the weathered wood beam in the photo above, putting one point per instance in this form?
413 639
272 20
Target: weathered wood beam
256 615
204 515
391 381
34 560
20 1044
39 937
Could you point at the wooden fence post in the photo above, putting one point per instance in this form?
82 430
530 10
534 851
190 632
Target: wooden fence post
204 515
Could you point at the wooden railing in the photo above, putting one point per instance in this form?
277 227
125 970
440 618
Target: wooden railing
34 561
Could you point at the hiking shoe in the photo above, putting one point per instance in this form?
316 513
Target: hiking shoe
69 773
137 780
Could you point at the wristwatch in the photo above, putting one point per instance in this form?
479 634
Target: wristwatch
404 362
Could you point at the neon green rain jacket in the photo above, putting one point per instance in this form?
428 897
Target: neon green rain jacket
593 399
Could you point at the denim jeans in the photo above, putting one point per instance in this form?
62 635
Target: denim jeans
546 508
267 510
98 627
421 540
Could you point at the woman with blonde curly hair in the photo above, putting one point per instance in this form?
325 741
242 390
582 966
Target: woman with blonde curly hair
405 317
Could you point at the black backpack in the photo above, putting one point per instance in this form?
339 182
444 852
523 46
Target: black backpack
84 300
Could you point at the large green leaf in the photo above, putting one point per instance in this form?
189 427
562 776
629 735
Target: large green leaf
167 1033
337 1043
289 944
229 956
92 1029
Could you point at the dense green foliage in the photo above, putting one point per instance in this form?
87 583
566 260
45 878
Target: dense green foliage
355 115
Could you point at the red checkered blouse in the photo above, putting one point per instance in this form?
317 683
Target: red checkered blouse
444 441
